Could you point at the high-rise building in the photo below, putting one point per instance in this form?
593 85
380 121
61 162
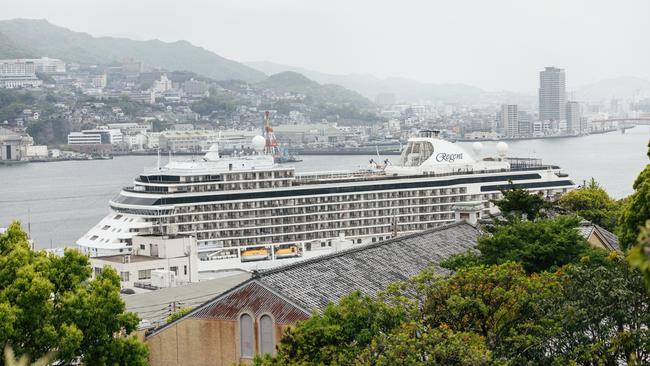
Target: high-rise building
510 120
552 94
573 117
524 128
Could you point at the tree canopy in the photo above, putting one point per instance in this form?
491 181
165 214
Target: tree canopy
593 312
517 203
592 203
635 210
49 303
538 245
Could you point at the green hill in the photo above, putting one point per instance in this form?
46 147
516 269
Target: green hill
9 49
39 38
290 81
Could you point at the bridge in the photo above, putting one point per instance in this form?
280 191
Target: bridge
636 120
623 123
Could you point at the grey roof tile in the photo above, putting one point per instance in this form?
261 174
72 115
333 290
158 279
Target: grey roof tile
368 268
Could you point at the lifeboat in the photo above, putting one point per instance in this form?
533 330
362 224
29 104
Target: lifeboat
254 254
287 252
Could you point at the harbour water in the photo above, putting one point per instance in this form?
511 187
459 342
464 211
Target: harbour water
62 200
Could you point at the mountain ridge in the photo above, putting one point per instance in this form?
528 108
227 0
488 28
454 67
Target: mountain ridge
370 86
47 39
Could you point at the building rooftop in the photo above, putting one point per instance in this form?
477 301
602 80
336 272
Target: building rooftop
154 306
133 258
314 283
295 290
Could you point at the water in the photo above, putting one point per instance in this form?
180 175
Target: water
63 200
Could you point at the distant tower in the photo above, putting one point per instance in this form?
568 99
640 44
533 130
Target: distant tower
510 120
573 117
552 94
271 147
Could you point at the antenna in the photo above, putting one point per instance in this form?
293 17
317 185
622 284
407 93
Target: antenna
29 222
158 158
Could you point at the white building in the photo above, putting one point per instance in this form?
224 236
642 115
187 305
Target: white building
172 260
13 145
18 73
199 140
162 85
510 120
84 138
49 65
96 137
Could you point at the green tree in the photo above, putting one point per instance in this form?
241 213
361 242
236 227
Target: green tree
49 303
414 343
639 255
592 203
636 209
10 359
517 203
461 260
539 246
604 314
338 335
501 303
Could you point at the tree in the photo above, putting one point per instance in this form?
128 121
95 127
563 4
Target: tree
500 303
539 246
636 209
10 359
592 203
604 314
461 260
639 255
338 335
519 203
49 303
414 343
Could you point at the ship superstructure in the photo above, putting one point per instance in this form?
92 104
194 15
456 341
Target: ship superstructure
249 208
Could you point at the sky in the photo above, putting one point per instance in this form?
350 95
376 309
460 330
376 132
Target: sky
492 44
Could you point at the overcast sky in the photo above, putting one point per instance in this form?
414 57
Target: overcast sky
492 44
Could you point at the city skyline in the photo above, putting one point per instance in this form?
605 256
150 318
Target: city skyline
411 40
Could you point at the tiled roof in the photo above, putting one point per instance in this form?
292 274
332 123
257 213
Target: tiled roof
311 284
586 228
370 268
610 237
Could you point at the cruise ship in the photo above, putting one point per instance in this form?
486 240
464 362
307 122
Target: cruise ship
247 209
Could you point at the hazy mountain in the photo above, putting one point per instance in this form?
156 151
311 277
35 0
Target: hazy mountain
370 86
289 81
45 39
9 49
620 87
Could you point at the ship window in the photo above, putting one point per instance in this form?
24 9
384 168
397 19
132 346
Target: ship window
117 217
106 227
267 342
94 237
246 335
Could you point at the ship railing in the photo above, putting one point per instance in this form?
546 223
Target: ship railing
135 190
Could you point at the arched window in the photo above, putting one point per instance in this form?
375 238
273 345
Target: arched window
246 335
267 332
